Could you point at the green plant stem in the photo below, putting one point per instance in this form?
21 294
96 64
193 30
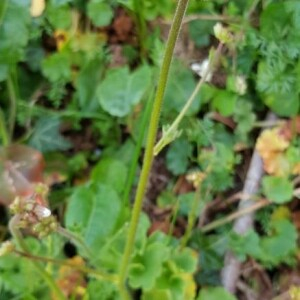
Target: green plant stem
153 126
141 24
136 154
13 223
3 131
13 105
191 217
75 239
3 11
163 141
215 224
83 269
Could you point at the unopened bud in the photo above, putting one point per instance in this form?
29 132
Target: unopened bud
222 34
6 248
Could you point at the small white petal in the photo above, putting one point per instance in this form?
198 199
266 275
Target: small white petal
42 211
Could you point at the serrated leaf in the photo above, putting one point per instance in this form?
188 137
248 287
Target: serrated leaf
145 268
46 135
111 172
57 67
277 189
186 260
177 156
93 211
216 293
99 12
121 90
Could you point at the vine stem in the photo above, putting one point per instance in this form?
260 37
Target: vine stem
13 223
164 140
153 127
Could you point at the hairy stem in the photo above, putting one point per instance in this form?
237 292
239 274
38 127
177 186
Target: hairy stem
136 154
13 223
153 126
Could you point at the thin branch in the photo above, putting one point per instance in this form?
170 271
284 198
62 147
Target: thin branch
235 215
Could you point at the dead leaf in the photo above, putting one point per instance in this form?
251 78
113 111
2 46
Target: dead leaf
71 280
271 145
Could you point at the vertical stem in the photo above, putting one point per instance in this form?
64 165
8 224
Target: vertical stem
20 242
191 217
3 131
153 126
13 105
141 24
136 154
163 141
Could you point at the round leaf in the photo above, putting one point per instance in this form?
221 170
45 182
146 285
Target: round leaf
277 189
100 13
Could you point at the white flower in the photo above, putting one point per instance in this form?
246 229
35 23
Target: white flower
201 69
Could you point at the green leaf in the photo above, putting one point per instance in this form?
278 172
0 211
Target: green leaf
102 290
111 172
248 244
121 90
59 14
14 31
224 101
281 246
285 105
200 31
46 135
186 260
93 211
146 267
216 293
180 86
277 189
57 67
87 79
157 294
178 155
99 12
